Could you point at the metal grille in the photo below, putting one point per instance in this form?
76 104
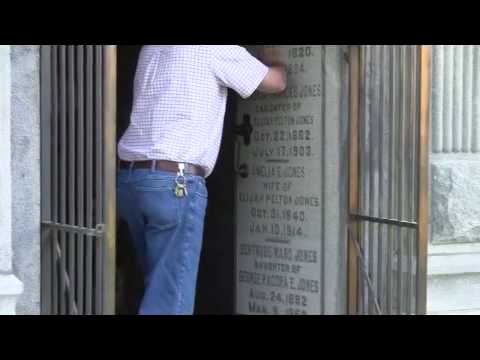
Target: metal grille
388 179
78 197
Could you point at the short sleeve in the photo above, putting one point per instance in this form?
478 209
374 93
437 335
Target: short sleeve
237 69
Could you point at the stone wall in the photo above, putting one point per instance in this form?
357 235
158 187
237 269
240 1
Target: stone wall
455 159
454 250
25 135
10 286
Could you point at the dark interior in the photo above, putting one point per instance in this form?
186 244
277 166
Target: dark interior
215 284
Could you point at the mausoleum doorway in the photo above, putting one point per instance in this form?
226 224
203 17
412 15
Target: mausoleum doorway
302 206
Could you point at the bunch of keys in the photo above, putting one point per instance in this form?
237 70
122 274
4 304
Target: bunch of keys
181 183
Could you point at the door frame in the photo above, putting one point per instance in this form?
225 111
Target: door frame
110 168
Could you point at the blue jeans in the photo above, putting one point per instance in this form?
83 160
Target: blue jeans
167 234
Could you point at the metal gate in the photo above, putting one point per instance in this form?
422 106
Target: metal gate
78 90
388 187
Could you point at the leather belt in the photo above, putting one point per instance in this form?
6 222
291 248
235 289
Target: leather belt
162 165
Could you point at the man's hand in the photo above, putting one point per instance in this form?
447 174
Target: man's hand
272 56
276 80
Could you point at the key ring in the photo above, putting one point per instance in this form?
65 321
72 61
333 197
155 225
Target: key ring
182 177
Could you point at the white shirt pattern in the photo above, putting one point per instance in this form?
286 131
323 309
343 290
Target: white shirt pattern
180 96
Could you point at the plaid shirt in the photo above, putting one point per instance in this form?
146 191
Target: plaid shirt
180 96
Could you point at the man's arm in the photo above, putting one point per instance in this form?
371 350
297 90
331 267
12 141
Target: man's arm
276 80
238 69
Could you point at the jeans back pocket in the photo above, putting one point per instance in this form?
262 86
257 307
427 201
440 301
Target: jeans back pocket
158 203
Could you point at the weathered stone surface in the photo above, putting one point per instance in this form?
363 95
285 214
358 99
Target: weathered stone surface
10 286
5 151
455 201
25 113
447 293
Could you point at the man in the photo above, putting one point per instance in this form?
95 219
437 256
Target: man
167 152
